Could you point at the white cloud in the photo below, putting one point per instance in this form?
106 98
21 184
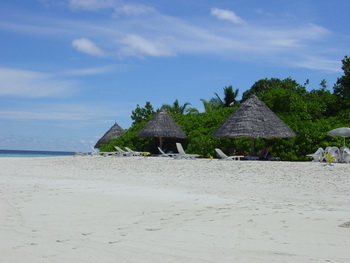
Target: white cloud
318 63
126 9
30 84
42 114
59 112
226 15
138 46
280 37
87 46
134 10
89 71
91 5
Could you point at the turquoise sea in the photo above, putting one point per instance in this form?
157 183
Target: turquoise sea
22 153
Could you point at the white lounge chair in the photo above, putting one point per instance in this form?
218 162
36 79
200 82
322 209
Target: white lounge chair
77 153
182 154
332 154
121 152
318 156
163 154
94 152
99 153
134 153
104 154
223 156
345 154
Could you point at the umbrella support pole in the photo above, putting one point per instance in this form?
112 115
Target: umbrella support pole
252 150
161 143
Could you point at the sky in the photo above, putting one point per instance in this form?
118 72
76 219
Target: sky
70 69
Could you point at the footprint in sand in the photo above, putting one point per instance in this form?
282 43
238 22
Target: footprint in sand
113 242
153 229
62 241
346 224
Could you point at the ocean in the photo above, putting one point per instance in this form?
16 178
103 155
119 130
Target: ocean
21 153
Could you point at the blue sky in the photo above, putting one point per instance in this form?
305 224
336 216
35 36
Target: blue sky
70 68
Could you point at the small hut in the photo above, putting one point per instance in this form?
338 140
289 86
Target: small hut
253 119
162 125
114 132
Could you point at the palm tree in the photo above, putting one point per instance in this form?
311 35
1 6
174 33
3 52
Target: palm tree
176 107
209 106
192 111
229 98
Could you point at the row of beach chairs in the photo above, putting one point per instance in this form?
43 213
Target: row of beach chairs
180 155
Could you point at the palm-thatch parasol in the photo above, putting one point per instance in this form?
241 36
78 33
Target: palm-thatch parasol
162 125
114 132
253 119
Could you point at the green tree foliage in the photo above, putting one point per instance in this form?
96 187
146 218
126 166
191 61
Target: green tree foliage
229 98
266 85
310 114
177 108
209 106
322 103
142 114
342 87
281 100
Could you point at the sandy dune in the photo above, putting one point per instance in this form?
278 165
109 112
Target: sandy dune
136 209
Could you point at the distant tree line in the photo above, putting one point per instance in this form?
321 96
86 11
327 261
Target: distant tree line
310 114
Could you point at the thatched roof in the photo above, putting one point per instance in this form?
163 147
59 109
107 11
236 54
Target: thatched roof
114 132
162 125
253 119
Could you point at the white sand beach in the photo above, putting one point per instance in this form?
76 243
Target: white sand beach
137 209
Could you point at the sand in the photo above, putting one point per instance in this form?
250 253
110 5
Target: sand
148 209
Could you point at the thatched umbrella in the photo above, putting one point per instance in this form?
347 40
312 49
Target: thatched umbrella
114 132
162 125
253 119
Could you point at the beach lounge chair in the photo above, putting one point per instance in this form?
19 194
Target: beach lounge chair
121 152
163 154
134 153
345 154
77 153
94 152
182 154
131 152
99 153
104 154
318 156
332 155
223 156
